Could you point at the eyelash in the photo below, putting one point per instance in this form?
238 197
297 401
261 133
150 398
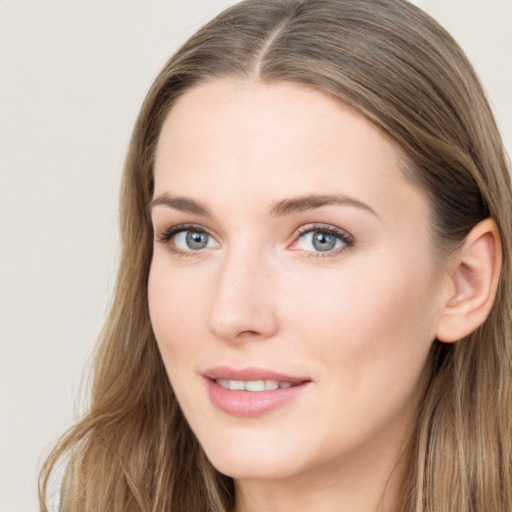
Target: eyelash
166 236
346 239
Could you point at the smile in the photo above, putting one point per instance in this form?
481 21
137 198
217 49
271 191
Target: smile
251 392
253 385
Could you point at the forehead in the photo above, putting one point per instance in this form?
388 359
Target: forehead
228 138
224 111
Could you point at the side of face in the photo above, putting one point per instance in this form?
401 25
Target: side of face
288 242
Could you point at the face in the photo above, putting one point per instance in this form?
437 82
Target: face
293 290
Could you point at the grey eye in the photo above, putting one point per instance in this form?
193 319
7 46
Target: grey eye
319 241
189 240
196 240
323 241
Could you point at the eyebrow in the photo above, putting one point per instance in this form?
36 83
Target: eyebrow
183 204
280 208
311 202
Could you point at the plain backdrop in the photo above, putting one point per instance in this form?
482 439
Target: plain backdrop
72 77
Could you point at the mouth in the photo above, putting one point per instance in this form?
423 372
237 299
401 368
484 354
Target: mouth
252 392
253 385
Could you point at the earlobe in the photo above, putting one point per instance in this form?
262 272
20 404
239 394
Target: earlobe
474 276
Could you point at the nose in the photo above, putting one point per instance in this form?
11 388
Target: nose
242 305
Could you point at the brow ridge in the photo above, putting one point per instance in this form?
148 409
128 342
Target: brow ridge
280 208
183 204
310 202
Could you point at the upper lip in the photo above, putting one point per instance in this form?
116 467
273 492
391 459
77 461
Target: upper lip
250 374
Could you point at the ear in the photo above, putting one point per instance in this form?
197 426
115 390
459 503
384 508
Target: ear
474 275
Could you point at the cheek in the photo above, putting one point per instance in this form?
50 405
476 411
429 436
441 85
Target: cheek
175 311
369 338
366 321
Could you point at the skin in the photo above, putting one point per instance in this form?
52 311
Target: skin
358 321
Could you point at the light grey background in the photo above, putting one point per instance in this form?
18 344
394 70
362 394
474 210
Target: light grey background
72 76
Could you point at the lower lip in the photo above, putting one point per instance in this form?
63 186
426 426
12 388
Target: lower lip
250 404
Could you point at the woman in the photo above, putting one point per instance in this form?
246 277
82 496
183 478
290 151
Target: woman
313 303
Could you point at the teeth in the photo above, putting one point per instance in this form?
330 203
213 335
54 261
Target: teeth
255 385
236 385
223 382
270 385
252 385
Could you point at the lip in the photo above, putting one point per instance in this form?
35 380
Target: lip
251 373
249 404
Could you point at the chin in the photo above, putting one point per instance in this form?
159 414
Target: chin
244 471
258 463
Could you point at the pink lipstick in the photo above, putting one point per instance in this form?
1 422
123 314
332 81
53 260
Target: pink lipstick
251 392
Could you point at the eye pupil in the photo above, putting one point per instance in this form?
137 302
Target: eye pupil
323 241
196 240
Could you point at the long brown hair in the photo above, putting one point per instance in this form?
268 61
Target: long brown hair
133 450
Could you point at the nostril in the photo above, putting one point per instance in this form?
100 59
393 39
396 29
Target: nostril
249 334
